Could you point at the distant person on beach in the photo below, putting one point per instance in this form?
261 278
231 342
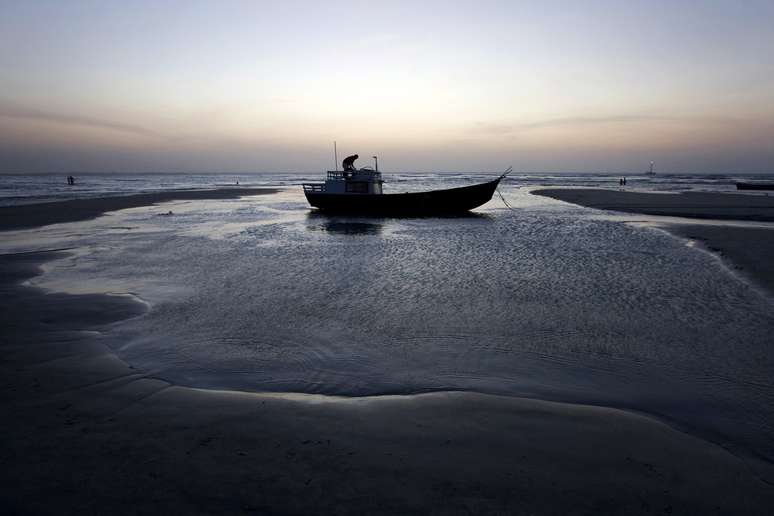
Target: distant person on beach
349 163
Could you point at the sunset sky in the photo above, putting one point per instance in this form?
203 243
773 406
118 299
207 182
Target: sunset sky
250 86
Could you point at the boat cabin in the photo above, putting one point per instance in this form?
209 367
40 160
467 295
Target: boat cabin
361 181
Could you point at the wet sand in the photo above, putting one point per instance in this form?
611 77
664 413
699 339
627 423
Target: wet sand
84 432
42 214
749 250
698 205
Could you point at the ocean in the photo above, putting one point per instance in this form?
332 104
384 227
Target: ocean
34 188
545 300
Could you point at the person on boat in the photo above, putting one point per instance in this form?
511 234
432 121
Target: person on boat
349 163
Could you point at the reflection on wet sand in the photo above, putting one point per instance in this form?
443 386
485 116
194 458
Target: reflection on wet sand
343 225
369 225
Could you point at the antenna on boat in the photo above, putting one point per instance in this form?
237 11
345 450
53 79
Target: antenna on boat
335 157
507 171
376 162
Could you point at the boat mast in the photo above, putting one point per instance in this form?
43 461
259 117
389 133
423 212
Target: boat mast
376 162
335 157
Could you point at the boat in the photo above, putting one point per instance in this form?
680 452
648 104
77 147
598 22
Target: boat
755 186
360 192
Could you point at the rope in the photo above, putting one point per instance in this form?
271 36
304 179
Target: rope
503 198
502 176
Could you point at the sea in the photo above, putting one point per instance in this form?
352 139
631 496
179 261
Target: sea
526 296
35 188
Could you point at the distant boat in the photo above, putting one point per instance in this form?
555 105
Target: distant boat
360 191
650 172
755 186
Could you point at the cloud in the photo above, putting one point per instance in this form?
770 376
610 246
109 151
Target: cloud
580 121
493 129
8 110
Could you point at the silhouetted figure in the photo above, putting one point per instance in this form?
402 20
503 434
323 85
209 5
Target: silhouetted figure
349 163
70 180
624 181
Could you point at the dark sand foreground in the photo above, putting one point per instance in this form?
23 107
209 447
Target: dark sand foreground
42 214
749 250
83 432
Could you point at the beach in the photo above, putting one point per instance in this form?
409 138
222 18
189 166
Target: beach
697 205
456 259
85 431
57 212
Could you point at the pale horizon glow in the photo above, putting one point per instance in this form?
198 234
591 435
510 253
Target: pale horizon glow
245 86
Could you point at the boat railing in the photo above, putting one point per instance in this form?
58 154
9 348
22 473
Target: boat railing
340 174
314 187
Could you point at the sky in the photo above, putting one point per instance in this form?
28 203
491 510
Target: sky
251 86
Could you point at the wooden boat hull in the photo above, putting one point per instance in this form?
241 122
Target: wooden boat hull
755 186
434 202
